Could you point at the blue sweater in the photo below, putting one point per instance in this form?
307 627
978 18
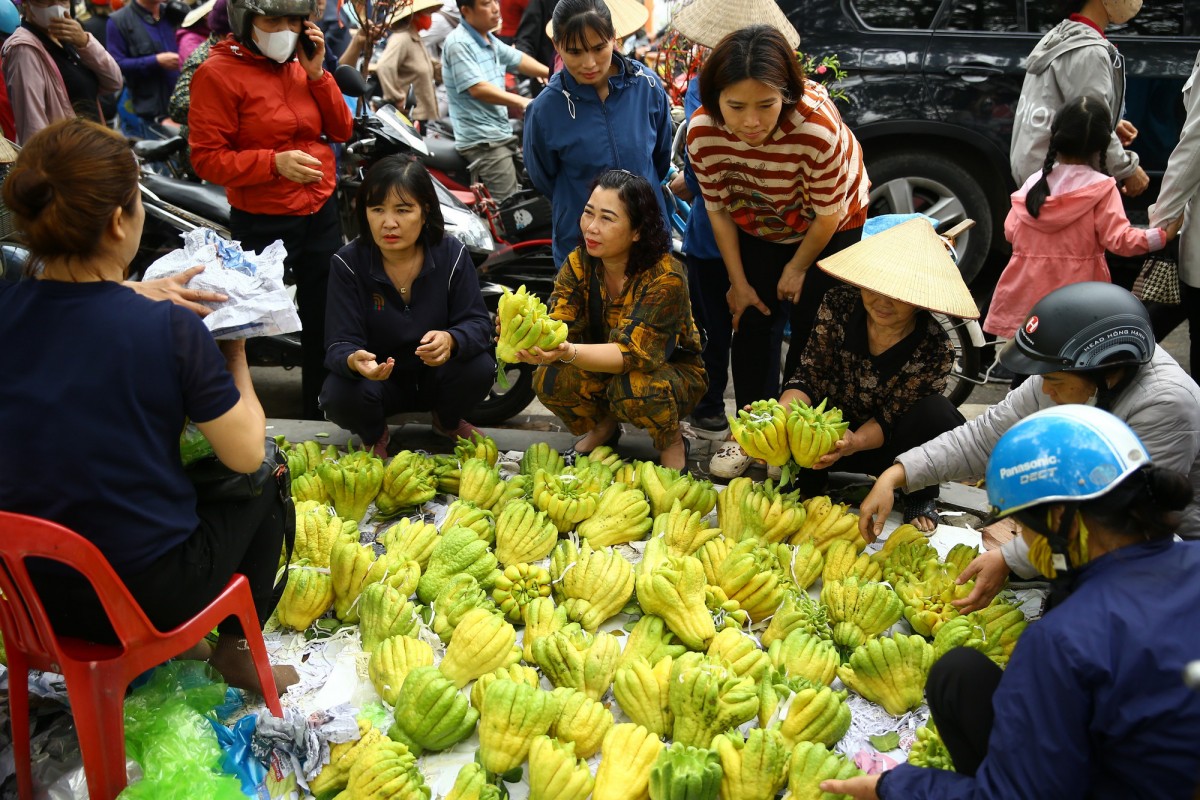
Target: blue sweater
365 312
698 238
1093 702
571 137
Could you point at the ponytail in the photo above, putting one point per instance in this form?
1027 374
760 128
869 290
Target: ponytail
1038 193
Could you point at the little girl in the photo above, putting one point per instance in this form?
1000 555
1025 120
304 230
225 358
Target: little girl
1065 217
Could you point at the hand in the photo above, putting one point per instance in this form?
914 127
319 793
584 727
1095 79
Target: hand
790 283
849 444
1136 183
174 290
742 297
860 788
436 348
364 364
298 166
69 31
876 506
537 355
679 187
990 572
1171 229
314 66
168 61
1126 133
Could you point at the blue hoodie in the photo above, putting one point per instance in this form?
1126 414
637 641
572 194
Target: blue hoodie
571 137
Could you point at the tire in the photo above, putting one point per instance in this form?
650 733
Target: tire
501 404
966 359
910 181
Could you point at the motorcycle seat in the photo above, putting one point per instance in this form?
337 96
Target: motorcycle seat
202 199
160 149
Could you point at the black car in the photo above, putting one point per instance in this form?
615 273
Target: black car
933 85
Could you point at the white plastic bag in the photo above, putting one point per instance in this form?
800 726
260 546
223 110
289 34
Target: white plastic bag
258 304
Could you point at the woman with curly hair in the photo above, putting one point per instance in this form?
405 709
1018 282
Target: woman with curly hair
632 353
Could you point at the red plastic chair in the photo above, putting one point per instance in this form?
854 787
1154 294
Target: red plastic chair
96 675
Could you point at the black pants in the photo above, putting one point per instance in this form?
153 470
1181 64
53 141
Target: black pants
928 418
451 391
763 263
959 690
311 240
243 537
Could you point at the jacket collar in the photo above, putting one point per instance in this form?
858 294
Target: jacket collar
379 274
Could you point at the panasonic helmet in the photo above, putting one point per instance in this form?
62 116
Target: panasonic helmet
10 18
1065 454
1083 326
242 11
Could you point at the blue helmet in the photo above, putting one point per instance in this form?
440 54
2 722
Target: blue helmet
1069 453
10 18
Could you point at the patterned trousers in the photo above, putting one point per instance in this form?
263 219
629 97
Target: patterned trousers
653 401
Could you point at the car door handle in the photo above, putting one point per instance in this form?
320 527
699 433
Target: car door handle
973 70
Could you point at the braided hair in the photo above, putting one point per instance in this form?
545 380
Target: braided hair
1081 131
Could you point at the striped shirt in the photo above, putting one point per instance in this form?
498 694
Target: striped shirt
810 164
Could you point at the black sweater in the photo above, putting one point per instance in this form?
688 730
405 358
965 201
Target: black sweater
366 312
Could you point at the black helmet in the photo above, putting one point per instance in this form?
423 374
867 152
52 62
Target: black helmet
1079 327
241 12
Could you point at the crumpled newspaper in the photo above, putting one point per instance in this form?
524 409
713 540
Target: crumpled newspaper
258 304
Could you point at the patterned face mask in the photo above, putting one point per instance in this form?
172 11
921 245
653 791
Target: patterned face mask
1121 11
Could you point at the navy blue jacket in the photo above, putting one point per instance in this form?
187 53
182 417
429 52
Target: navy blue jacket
365 312
1093 702
570 137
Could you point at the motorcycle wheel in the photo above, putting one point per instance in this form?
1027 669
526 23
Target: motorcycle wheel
502 404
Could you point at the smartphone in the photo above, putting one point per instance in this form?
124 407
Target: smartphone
307 44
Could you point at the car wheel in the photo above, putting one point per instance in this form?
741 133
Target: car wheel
908 182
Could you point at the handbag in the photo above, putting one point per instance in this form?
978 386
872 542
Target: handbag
216 482
1158 280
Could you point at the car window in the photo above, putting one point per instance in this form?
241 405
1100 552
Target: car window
889 14
1166 18
996 16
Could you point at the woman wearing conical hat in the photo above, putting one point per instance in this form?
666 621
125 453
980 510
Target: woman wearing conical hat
877 353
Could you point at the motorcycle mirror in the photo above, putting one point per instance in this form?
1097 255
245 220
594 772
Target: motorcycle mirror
350 80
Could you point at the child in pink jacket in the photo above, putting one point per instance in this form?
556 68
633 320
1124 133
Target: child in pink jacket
1065 217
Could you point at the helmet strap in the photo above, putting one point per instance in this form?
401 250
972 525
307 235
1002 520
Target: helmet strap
1063 582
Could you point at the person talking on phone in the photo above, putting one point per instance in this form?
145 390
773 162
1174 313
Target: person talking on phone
54 69
263 113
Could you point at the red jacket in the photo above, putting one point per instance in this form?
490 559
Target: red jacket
245 109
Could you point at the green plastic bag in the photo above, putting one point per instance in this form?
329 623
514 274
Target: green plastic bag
167 733
193 446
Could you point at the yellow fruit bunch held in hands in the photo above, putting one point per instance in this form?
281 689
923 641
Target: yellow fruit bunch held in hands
524 324
783 436
813 432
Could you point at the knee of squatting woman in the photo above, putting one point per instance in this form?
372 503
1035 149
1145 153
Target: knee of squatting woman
633 351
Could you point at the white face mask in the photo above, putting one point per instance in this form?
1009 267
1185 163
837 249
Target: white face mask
42 17
1121 11
278 46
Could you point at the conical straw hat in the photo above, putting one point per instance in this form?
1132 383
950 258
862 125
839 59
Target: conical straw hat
198 13
628 17
907 262
707 22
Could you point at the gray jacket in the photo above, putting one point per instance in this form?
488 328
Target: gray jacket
1162 405
1071 60
1181 183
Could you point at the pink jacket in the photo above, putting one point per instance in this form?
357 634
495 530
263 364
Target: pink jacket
1081 218
35 85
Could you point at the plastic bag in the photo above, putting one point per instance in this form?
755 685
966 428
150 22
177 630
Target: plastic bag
193 445
167 733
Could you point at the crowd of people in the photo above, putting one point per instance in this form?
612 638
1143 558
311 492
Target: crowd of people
395 321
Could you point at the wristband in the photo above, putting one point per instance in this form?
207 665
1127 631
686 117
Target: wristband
574 355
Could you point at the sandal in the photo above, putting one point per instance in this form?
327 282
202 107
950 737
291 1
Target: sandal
921 508
570 454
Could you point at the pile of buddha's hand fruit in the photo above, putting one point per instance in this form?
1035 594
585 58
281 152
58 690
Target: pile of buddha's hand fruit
741 644
524 324
790 436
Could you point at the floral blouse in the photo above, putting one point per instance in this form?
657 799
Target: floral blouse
837 363
651 321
